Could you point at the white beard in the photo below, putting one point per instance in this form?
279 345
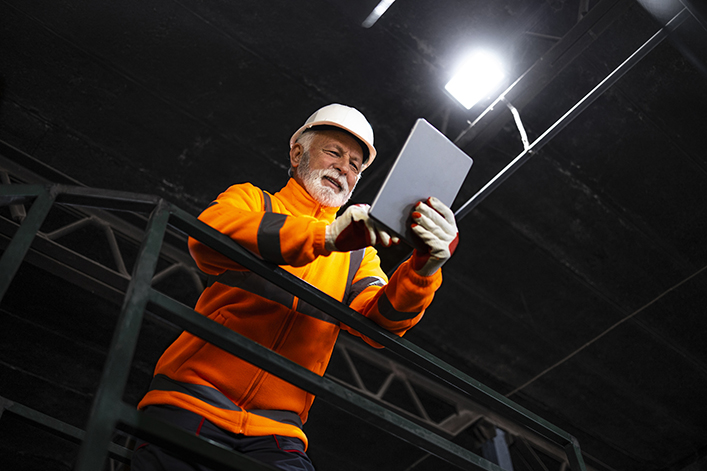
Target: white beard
325 195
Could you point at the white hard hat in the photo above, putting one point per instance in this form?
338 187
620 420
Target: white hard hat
344 117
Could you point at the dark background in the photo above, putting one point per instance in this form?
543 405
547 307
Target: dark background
578 288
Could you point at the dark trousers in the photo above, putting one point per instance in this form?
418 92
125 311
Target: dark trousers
281 452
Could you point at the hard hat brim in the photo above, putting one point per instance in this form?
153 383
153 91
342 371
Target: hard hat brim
345 118
371 151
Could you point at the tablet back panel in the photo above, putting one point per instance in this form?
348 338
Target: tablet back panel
429 164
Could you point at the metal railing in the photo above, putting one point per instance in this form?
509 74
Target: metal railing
109 412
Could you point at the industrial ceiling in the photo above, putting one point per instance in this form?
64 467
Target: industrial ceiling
579 287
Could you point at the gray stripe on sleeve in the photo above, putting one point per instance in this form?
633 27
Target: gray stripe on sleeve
358 287
269 237
390 313
253 283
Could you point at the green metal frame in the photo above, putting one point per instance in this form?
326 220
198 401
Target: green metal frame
109 412
59 428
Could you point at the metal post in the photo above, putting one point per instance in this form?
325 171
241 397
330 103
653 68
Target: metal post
496 451
287 370
16 210
105 411
574 456
109 412
568 117
57 427
21 242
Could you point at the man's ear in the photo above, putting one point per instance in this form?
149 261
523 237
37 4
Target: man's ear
296 152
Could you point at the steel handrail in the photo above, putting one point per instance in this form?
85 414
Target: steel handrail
140 293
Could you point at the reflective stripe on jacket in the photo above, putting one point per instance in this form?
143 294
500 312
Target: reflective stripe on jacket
286 228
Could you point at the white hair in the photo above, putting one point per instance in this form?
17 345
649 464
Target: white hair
305 139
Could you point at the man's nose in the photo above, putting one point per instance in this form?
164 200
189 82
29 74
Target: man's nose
343 166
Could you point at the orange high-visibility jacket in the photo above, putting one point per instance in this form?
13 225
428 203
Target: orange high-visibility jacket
286 228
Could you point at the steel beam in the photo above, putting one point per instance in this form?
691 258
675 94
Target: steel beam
467 411
324 388
59 428
401 347
539 76
496 450
104 413
21 242
528 454
570 115
699 11
574 456
107 414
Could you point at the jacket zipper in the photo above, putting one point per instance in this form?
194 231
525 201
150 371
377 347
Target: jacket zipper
248 396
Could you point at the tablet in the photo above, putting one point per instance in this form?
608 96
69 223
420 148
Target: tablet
428 164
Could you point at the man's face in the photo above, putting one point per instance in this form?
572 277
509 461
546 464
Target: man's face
331 168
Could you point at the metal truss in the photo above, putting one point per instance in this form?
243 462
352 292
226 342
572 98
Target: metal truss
109 413
119 455
85 266
48 253
531 149
466 415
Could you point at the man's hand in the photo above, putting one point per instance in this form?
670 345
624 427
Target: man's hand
355 230
434 223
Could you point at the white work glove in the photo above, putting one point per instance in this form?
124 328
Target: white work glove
434 223
354 230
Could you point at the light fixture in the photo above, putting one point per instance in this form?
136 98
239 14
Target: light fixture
377 13
479 75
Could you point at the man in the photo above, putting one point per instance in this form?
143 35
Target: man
214 394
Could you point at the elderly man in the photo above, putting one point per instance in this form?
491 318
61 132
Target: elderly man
213 394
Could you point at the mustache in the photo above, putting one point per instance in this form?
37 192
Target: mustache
336 176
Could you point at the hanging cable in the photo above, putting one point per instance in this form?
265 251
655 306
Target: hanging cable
519 123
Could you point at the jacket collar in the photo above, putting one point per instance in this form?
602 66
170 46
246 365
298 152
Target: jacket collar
300 203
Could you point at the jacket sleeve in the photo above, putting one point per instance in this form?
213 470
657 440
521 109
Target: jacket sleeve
278 238
395 305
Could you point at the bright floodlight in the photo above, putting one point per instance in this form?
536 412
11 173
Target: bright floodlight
476 78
